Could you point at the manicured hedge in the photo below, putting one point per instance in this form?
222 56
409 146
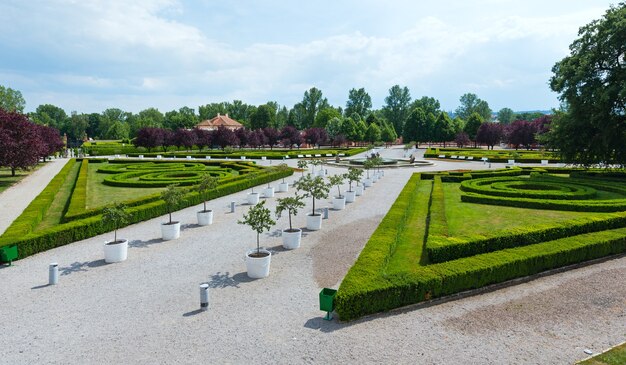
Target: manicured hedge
65 233
370 286
34 213
493 155
441 248
615 205
79 195
257 154
537 188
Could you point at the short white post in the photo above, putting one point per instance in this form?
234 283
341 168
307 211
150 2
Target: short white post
53 274
232 207
204 297
325 213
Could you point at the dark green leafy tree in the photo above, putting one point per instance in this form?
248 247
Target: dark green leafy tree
172 196
359 101
354 175
470 103
591 83
361 130
397 107
428 104
373 133
313 187
444 128
472 125
207 183
415 127
506 115
262 117
325 115
11 100
50 115
388 133
312 102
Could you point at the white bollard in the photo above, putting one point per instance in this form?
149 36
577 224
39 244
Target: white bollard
53 274
232 207
204 297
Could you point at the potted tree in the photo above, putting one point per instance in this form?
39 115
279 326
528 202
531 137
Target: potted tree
319 162
353 175
302 164
291 236
367 165
339 201
315 188
171 195
116 250
258 260
268 192
283 187
207 182
253 198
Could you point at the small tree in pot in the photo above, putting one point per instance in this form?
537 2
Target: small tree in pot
302 164
291 236
207 183
354 175
172 196
260 220
315 188
339 201
116 250
253 198
283 187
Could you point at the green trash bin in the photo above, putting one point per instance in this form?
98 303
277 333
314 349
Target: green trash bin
327 302
8 253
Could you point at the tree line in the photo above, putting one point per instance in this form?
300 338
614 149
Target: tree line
314 111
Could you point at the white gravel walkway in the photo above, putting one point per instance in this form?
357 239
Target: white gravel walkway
145 310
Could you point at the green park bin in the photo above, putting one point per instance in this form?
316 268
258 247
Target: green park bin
327 302
8 253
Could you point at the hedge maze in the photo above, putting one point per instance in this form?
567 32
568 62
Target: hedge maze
452 232
69 189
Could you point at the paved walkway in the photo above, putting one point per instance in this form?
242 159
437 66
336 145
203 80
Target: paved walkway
15 199
145 309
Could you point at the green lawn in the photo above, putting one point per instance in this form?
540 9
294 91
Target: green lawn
99 194
55 213
469 219
615 356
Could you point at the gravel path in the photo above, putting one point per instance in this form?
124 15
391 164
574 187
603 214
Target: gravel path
15 199
145 310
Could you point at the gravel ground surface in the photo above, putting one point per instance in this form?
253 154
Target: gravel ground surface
145 310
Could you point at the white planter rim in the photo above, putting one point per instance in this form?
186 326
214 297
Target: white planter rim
265 253
173 223
293 230
119 241
206 211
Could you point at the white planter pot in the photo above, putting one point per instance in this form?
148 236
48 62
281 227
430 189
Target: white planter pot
374 178
205 218
115 252
321 173
339 203
283 187
258 267
253 198
170 231
367 182
359 190
314 222
291 240
350 196
268 192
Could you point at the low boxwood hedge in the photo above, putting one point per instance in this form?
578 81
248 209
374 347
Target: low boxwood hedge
79 194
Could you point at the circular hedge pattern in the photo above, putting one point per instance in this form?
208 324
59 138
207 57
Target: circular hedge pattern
153 175
546 192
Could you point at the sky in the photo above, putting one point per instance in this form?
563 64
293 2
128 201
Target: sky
90 55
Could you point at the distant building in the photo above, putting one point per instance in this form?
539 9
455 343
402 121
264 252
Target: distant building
219 120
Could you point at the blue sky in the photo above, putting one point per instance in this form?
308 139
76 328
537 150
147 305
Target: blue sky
89 55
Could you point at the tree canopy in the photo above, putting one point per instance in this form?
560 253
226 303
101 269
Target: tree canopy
11 100
359 101
397 107
591 82
470 103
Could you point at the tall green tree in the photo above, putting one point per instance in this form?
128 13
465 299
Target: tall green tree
312 102
361 129
76 126
210 111
388 133
591 82
50 115
324 116
397 107
11 100
359 101
471 126
262 117
334 127
373 134
444 128
428 104
412 131
506 115
350 129
470 103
